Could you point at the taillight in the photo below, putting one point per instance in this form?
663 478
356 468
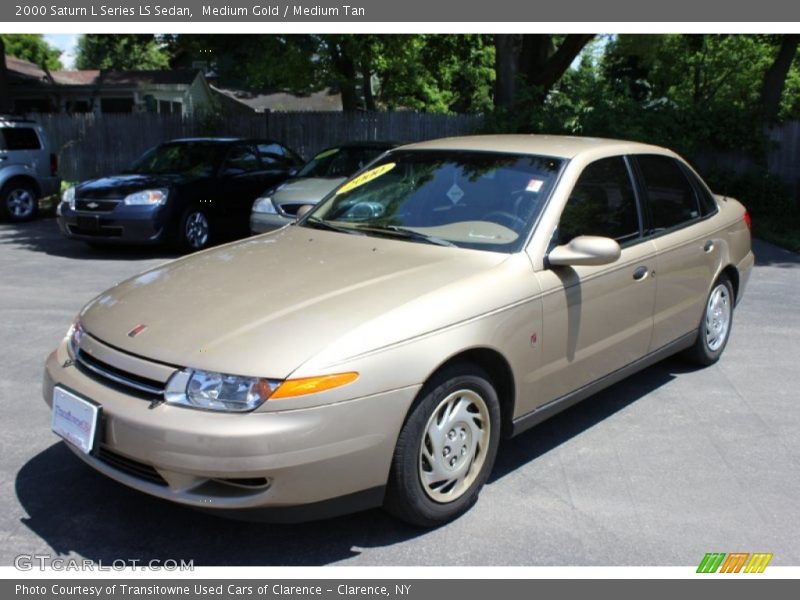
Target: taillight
53 164
748 221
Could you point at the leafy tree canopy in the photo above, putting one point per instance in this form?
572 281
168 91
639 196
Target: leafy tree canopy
122 52
33 48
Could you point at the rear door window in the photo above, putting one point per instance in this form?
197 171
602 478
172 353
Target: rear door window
20 138
671 198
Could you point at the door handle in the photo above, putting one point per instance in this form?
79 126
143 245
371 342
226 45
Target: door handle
640 273
708 246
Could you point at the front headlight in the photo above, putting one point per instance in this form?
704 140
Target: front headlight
264 205
218 391
74 337
69 197
146 198
233 393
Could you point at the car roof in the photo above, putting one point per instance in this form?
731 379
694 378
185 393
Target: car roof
220 140
560 146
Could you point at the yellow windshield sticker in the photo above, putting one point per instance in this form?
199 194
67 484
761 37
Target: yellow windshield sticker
329 152
365 178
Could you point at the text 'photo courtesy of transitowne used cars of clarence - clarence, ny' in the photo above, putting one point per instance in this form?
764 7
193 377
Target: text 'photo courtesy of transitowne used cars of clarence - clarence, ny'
375 352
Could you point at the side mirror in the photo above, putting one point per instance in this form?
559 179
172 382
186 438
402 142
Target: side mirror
301 212
585 250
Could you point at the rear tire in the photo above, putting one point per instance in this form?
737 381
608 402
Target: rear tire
194 230
446 448
715 326
18 202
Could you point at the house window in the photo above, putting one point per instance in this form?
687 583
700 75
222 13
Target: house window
177 108
116 105
164 107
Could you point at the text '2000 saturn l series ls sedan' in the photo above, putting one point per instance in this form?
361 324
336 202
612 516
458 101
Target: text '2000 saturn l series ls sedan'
375 352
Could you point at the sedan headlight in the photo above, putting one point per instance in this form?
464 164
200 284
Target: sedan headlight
232 393
69 197
218 391
74 337
264 205
146 198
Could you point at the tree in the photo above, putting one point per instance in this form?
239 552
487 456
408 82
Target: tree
775 77
33 48
527 67
436 73
121 52
251 62
5 92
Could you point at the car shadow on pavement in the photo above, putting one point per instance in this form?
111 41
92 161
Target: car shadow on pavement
80 512
562 427
42 235
769 255
77 511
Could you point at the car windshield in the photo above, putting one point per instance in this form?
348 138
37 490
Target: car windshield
200 159
478 200
339 162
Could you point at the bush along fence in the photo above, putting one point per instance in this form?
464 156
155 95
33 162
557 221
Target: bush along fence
94 145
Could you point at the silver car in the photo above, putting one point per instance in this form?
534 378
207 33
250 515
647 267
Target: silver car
28 168
319 176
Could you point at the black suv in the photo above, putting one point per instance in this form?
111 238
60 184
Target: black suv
190 192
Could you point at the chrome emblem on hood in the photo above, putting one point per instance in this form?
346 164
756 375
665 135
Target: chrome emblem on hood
92 205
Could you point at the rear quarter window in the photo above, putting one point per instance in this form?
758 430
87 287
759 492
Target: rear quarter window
20 138
708 206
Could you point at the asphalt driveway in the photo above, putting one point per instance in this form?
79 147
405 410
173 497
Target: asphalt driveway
657 470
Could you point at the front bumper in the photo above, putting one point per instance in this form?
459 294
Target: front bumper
265 222
309 457
124 224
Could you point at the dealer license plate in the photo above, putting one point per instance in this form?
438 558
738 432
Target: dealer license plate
75 419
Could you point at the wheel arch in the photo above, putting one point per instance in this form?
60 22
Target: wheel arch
500 374
23 178
732 274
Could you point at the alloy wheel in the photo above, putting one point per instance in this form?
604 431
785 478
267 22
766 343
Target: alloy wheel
20 203
196 230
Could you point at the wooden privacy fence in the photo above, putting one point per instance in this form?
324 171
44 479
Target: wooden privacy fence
94 145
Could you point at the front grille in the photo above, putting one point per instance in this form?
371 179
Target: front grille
119 379
129 466
95 206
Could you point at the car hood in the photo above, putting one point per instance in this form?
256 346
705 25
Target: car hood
305 189
265 305
119 186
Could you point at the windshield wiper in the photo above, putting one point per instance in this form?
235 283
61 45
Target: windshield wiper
318 223
410 234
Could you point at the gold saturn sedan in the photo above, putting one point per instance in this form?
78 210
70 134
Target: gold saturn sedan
375 352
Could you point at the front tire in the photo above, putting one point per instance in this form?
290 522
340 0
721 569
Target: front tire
18 202
194 230
715 326
446 448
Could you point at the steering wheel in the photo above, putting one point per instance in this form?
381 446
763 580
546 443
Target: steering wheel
502 217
